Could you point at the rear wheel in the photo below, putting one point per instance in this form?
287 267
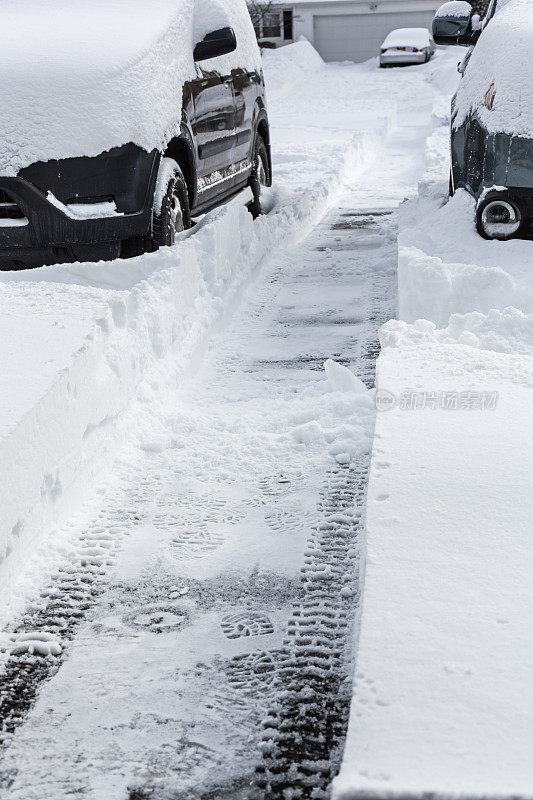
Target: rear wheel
171 214
260 177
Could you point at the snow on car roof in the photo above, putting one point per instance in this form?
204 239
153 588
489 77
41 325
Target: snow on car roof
502 57
80 78
415 37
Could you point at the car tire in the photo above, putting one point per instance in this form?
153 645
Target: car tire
260 177
171 213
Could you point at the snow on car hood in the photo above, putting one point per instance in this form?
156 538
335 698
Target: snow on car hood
502 57
79 78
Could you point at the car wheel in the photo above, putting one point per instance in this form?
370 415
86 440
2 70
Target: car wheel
260 177
171 214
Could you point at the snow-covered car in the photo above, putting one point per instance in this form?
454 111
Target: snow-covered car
406 46
492 113
121 121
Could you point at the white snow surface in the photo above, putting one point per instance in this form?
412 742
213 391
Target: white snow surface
502 57
443 700
79 79
407 37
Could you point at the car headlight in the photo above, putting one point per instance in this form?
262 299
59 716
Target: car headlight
499 219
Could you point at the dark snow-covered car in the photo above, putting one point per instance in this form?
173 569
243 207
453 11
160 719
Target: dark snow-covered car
123 120
492 113
406 46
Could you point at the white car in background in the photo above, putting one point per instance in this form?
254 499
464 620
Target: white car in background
406 46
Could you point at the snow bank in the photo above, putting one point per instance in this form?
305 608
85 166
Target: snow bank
289 66
79 79
502 57
443 700
446 267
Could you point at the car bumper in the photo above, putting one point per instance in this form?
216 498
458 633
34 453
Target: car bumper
48 230
399 59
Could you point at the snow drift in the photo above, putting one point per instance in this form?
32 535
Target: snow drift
79 79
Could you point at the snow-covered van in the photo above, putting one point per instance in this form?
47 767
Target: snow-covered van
121 120
492 112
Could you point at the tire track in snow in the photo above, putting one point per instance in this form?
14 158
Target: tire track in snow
305 730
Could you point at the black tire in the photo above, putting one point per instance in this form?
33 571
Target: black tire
174 216
260 177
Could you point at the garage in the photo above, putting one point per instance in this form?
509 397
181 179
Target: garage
357 37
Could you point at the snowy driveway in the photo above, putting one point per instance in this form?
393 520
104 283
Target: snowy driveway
193 630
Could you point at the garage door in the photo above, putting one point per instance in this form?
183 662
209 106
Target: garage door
356 37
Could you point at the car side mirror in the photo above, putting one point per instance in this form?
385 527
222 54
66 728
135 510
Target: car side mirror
215 44
456 23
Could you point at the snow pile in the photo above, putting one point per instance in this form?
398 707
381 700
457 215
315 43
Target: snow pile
502 57
507 331
79 79
289 66
339 414
446 267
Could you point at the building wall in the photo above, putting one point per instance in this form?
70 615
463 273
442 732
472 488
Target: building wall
304 13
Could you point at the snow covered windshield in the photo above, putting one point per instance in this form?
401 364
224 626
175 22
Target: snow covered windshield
502 57
80 78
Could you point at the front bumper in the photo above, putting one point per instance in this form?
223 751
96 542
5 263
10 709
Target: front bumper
399 59
124 177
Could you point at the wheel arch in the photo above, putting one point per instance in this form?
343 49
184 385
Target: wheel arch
263 129
180 148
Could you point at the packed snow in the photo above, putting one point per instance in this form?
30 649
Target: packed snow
121 64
